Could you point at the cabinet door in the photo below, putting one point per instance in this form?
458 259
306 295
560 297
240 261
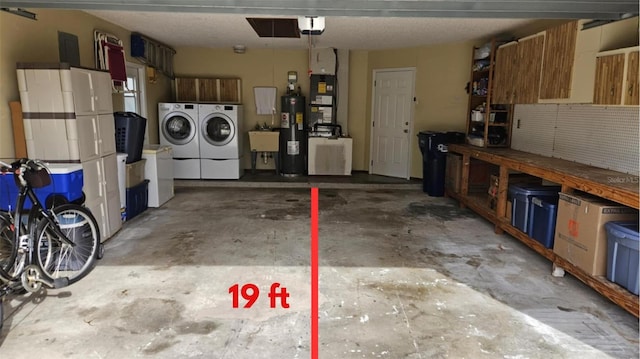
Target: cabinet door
632 94
504 74
608 85
82 88
87 134
102 92
208 90
106 134
93 179
230 90
529 65
559 52
186 90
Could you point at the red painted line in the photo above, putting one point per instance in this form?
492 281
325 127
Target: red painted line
314 273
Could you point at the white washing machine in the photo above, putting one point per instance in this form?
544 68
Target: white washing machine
178 124
221 137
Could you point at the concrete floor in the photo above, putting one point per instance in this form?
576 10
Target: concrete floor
402 275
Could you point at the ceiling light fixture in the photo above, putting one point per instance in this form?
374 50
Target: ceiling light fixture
239 49
20 12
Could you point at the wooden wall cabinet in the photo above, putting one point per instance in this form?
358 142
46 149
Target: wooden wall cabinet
219 90
616 77
518 67
505 70
631 93
559 55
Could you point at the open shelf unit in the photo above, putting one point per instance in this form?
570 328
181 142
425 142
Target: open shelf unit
488 124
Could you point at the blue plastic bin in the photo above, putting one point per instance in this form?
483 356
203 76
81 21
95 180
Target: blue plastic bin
622 254
66 186
521 195
542 219
137 199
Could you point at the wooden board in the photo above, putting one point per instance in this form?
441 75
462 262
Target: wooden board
19 142
632 93
557 66
608 85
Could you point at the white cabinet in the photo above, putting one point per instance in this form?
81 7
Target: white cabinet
68 117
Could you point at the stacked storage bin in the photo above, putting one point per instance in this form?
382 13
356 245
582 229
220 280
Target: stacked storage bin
623 244
68 118
541 224
130 128
521 198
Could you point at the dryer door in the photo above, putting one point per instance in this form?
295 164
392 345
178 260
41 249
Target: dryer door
218 129
178 128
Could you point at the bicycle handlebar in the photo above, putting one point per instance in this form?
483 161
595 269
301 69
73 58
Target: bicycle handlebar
20 167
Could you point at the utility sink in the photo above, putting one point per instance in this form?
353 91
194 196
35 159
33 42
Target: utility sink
264 141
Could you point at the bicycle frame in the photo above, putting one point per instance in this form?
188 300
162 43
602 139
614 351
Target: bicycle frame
26 241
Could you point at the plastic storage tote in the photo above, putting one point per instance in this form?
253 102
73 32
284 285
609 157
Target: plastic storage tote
521 195
622 254
137 199
130 129
66 186
542 219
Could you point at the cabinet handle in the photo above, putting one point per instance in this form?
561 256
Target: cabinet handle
630 90
611 92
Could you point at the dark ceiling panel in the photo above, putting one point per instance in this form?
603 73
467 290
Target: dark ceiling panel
266 27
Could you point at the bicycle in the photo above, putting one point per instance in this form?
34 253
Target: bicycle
55 246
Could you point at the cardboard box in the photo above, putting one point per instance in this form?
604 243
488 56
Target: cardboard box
580 236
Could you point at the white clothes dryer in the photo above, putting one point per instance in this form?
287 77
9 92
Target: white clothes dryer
221 139
178 124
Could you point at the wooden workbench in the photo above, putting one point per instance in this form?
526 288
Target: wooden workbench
615 186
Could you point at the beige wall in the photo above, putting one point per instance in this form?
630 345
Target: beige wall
442 72
24 40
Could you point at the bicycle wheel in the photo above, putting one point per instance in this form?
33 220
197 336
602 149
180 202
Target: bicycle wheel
58 259
8 249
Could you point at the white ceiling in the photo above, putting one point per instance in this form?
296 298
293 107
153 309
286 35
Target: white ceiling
218 30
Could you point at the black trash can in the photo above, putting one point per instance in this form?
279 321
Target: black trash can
433 146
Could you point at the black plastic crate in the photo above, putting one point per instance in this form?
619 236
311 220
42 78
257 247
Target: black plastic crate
130 129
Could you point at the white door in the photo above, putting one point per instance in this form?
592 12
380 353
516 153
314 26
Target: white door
392 116
135 95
